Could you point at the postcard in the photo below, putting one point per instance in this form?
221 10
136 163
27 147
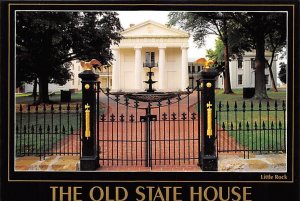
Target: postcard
158 101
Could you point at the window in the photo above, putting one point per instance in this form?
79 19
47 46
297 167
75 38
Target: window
193 69
240 63
252 63
73 82
199 69
189 69
150 57
267 79
78 81
79 67
240 79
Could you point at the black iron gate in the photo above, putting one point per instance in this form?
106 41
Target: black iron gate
147 128
137 131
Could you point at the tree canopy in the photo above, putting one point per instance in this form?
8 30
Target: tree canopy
258 27
46 43
216 54
201 24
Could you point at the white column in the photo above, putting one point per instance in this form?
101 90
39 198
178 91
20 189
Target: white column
161 68
184 69
116 70
246 75
138 67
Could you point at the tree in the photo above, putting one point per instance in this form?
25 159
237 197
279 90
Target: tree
202 24
218 53
275 42
257 26
48 41
282 72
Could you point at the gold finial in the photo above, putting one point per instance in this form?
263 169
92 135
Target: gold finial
86 86
89 65
208 84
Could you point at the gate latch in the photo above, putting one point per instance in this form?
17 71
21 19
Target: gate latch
151 118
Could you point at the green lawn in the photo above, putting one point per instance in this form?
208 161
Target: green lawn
28 98
258 128
22 94
38 132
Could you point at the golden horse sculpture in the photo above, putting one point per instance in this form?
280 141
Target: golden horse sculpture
94 63
208 64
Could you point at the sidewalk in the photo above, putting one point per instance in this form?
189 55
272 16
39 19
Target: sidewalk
51 163
227 163
256 163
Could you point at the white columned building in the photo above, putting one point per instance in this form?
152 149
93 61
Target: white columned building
162 68
137 68
116 70
184 69
158 44
242 72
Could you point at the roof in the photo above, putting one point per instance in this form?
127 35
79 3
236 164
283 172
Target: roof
200 61
153 29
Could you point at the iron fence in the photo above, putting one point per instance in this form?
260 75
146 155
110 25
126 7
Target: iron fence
44 130
251 127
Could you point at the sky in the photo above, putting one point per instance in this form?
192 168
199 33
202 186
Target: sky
136 17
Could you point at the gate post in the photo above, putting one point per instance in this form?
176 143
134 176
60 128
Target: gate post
88 158
208 157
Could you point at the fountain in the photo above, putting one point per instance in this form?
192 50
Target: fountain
150 94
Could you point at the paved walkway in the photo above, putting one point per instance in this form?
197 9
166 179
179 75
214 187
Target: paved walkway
227 163
256 163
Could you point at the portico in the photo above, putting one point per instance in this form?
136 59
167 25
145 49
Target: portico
151 43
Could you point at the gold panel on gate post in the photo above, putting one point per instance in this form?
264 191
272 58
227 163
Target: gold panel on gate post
209 119
87 121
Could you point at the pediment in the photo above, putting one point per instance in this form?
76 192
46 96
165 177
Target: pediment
153 29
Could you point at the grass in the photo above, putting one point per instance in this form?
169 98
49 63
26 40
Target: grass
22 94
28 98
37 132
238 96
268 134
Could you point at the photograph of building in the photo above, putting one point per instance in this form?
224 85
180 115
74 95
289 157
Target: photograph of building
147 130
151 43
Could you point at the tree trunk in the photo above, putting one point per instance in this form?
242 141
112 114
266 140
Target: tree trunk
274 88
227 84
43 90
34 91
260 86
